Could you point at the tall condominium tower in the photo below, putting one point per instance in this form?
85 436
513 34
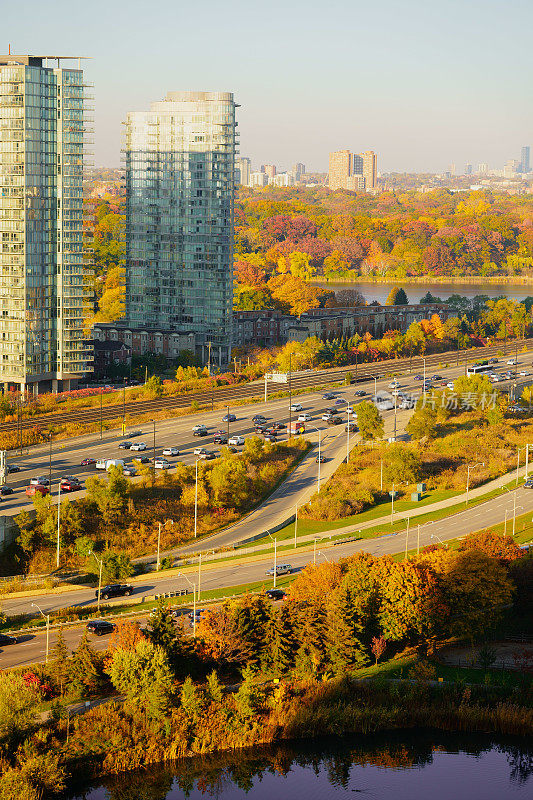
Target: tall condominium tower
243 169
180 181
370 169
41 267
524 162
340 169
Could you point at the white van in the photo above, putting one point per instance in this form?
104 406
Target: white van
107 463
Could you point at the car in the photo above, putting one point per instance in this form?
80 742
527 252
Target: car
129 471
70 485
320 459
450 385
436 378
259 429
209 455
88 462
493 360
340 402
100 627
278 426
528 484
360 393
236 441
125 445
275 594
198 614
259 419
350 409
418 377
335 421
270 437
137 446
305 417
296 407
523 373
233 450
512 362
135 433
351 427
12 468
143 459
171 451
220 438
199 450
162 463
281 569
40 481
517 409
328 396
270 432
31 491
199 430
5 639
6 490
394 384
115 590
327 416
229 418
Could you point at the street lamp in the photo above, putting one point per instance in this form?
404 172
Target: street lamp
514 510
101 412
348 437
46 617
58 523
469 467
320 553
275 558
195 498
319 457
124 407
227 419
290 396
191 583
434 536
100 562
153 450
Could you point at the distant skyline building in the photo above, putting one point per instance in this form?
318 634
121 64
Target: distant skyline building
483 168
269 170
468 169
524 162
258 179
298 170
340 169
180 183
345 169
42 293
243 169
370 166
282 179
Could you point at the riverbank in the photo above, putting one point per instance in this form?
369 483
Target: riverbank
116 738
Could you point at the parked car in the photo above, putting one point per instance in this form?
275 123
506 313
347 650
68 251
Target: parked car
125 445
40 481
88 462
335 421
229 418
5 639
360 393
275 594
171 451
198 614
305 417
115 590
281 569
295 407
31 491
236 441
199 430
6 490
100 627
129 471
162 463
220 438
137 446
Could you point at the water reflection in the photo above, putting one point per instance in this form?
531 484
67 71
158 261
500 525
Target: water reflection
393 767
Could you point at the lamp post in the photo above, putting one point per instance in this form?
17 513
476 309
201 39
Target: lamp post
101 413
295 525
100 562
158 563
46 617
124 406
395 410
406 536
319 457
58 523
320 553
191 583
153 454
227 419
424 389
514 511
195 498
469 467
392 495
275 558
375 386
348 437
290 396
199 576
434 536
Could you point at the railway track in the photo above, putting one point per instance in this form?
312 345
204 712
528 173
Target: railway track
360 373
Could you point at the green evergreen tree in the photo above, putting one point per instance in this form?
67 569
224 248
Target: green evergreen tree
192 701
401 298
213 688
284 644
249 697
252 619
60 662
84 666
345 649
311 655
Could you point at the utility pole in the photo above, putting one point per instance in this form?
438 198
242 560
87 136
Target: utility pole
290 396
418 541
101 412
314 551
58 523
124 407
295 525
406 536
209 358
195 498
392 504
47 618
199 575
158 565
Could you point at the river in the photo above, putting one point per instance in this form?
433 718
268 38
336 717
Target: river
400 766
415 291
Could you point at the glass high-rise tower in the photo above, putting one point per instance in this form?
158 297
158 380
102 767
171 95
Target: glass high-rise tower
180 185
41 205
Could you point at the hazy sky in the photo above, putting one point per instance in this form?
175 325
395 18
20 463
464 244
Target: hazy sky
423 82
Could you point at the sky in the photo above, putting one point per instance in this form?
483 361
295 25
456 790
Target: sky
424 83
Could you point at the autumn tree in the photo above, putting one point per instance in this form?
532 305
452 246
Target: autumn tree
369 421
144 676
220 637
402 465
493 544
423 422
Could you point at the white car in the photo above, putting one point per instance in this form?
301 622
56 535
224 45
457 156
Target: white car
40 481
161 463
523 373
450 385
198 451
171 451
305 417
349 409
296 407
326 417
236 441
512 362
138 446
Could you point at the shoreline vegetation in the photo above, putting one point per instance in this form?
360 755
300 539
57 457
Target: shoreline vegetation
493 280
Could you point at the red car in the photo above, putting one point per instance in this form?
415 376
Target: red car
70 485
87 462
31 491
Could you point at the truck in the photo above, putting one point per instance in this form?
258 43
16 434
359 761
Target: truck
296 428
107 463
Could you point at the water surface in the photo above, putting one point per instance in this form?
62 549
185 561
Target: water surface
415 291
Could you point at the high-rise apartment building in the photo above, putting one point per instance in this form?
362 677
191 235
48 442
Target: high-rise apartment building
370 165
468 169
243 169
258 179
180 180
269 170
524 161
340 168
298 170
41 268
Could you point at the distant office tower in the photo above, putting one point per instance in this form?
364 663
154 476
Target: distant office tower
283 179
340 168
483 169
41 266
468 169
357 164
180 179
452 169
243 168
258 179
269 170
524 163
298 170
369 169
355 183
